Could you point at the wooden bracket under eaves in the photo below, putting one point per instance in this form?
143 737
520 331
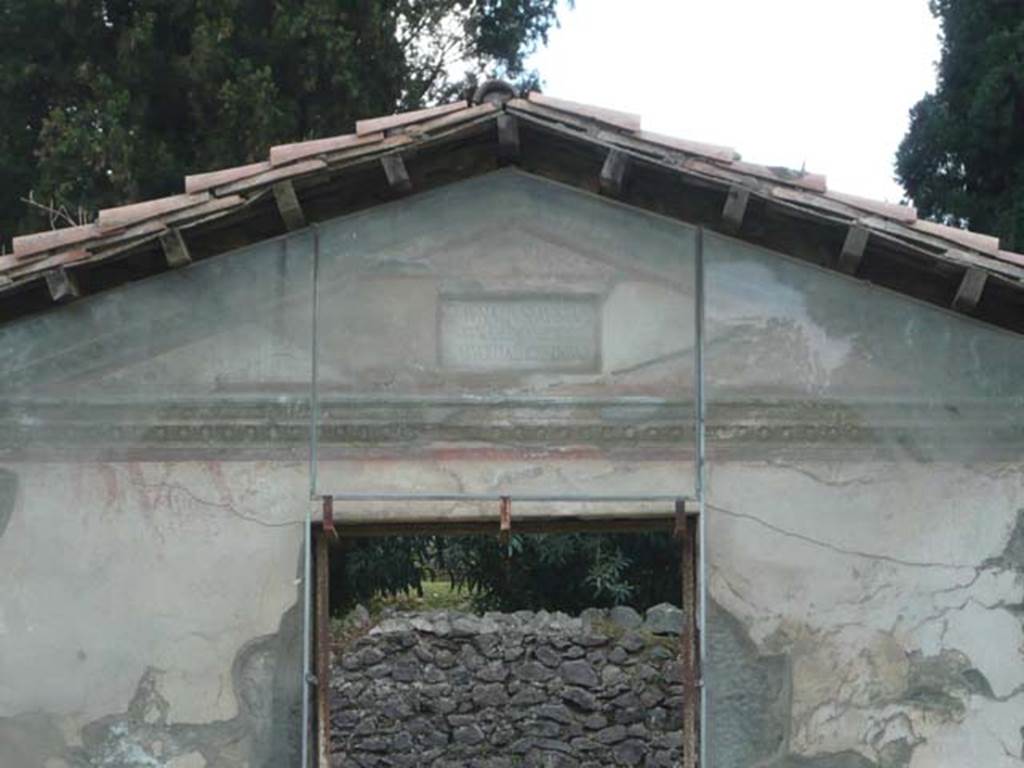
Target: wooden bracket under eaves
614 172
852 254
62 284
176 252
397 174
508 138
288 205
969 293
735 209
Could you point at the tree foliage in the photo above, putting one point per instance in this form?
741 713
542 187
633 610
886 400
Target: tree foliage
962 160
565 572
107 101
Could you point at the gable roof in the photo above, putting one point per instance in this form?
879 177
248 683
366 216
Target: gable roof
588 147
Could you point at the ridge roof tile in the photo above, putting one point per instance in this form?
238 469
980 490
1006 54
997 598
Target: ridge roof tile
200 182
123 215
289 153
715 151
974 240
40 242
625 120
390 122
1012 257
897 212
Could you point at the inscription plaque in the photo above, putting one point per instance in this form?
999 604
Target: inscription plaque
520 333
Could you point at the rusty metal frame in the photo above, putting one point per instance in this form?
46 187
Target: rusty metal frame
682 522
322 621
686 534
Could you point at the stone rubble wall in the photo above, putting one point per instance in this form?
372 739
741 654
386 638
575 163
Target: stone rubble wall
521 689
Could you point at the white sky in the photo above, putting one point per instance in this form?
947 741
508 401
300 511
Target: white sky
826 83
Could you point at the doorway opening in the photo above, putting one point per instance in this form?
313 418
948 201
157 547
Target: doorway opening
477 661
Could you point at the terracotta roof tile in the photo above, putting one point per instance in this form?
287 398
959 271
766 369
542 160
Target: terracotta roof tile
453 118
289 153
269 177
903 213
392 142
715 151
624 120
40 242
218 193
122 216
61 259
203 210
200 182
812 181
973 240
815 200
1012 257
390 122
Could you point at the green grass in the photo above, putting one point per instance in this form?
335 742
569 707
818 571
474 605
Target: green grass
437 596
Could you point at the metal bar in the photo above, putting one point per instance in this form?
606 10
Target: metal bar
580 498
307 587
327 514
505 525
323 651
314 384
417 400
307 673
701 484
685 530
664 523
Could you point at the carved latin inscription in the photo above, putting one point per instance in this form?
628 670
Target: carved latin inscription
516 333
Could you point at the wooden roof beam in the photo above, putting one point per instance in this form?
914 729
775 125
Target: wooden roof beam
62 284
853 249
735 209
968 294
288 205
614 172
175 251
398 175
508 138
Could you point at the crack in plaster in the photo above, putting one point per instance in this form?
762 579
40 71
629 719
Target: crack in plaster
838 549
937 686
229 507
830 482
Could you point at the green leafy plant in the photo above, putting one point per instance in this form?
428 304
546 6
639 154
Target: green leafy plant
567 572
962 160
109 102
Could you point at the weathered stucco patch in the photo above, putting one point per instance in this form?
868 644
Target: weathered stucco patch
8 495
839 760
748 696
264 734
29 740
1012 556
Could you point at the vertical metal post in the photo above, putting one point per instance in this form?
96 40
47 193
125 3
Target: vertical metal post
307 579
685 532
314 373
700 481
323 650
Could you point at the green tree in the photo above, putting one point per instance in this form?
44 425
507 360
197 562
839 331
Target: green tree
107 101
962 160
567 572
